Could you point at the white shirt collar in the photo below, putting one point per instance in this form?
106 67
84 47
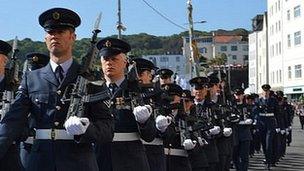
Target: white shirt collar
199 102
118 82
65 66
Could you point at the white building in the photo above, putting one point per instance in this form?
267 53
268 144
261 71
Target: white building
293 48
176 63
258 54
284 29
233 46
275 41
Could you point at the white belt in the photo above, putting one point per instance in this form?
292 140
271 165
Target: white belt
131 136
267 114
29 140
156 141
53 134
176 152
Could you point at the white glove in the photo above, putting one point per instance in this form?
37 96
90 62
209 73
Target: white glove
282 131
189 144
242 123
255 122
142 113
248 121
277 130
287 131
215 130
227 132
76 126
290 128
162 122
202 141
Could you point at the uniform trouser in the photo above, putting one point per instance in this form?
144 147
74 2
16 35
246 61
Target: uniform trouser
177 163
302 121
257 140
25 150
241 155
11 160
289 137
212 167
282 145
276 147
224 163
156 157
267 137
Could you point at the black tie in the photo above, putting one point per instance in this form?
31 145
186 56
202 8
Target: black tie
59 73
113 87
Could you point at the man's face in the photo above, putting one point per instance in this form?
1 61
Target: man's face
200 94
60 41
165 80
187 104
113 67
265 93
145 77
215 89
239 97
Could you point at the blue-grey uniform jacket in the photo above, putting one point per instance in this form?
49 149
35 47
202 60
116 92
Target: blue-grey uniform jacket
40 94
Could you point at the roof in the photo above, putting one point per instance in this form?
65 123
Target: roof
227 39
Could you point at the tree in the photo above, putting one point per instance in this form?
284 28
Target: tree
220 59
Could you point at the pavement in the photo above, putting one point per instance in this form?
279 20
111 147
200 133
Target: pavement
294 158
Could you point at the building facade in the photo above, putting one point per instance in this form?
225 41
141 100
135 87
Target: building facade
258 54
282 29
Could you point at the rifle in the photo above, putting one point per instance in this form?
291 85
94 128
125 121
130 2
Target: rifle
79 89
12 81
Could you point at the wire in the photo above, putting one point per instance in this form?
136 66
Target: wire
163 16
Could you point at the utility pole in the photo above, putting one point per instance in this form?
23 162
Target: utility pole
192 60
119 25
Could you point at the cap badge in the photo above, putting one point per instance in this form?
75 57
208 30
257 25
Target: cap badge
108 43
35 58
166 87
184 95
56 15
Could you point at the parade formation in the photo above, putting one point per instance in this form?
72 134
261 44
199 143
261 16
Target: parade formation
57 115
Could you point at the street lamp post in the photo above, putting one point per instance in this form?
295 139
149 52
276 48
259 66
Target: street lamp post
119 26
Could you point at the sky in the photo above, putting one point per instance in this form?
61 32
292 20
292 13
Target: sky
20 17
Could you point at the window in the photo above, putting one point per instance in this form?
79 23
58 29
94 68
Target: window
279 5
223 48
288 15
276 27
203 50
297 38
245 57
177 68
276 49
298 71
280 48
234 48
289 72
288 40
234 57
245 47
280 76
164 59
297 11
279 25
177 59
